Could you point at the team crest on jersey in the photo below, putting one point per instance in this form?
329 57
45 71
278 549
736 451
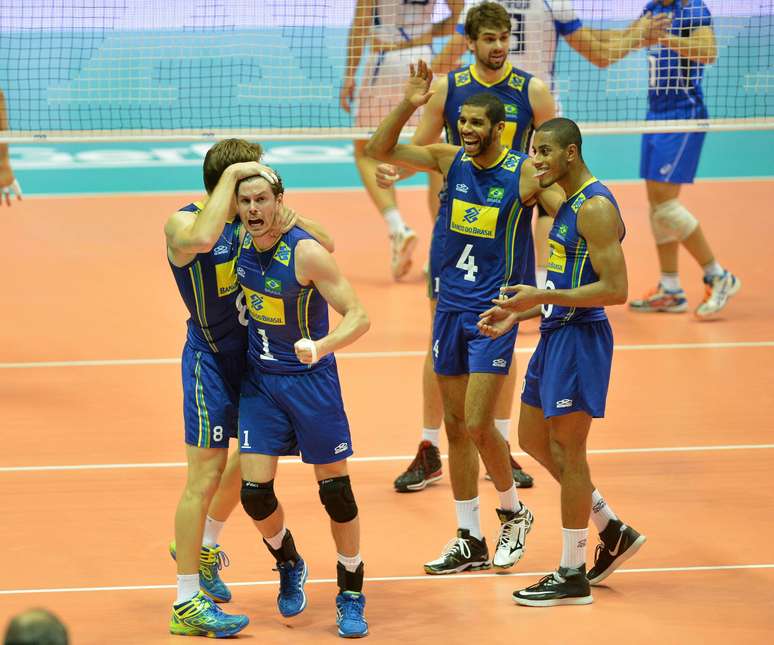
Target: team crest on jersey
578 203
474 219
272 285
282 254
557 258
225 276
511 162
496 194
247 242
563 228
461 188
265 309
462 78
511 111
220 250
516 81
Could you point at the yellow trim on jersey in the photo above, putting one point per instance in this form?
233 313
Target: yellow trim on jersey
502 156
263 308
507 68
583 185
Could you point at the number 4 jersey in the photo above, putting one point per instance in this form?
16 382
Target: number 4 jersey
488 234
281 310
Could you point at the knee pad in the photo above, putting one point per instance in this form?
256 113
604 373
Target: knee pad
671 222
337 498
258 499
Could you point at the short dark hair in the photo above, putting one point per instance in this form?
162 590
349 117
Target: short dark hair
223 154
278 188
495 110
566 132
486 14
36 627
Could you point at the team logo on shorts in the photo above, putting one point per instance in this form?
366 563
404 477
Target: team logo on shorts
665 170
499 362
282 254
496 194
340 448
273 286
564 403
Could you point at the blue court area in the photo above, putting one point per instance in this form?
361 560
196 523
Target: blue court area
166 167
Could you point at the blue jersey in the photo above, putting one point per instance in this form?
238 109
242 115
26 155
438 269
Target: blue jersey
674 81
487 233
569 266
511 89
282 311
209 288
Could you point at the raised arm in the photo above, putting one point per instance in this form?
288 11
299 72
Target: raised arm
603 47
358 32
699 47
314 264
189 233
383 144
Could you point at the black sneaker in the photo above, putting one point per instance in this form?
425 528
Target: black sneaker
424 470
563 587
520 478
618 543
463 553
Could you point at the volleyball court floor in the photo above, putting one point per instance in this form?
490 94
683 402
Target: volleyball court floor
91 332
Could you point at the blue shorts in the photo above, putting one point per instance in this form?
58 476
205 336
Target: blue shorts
672 157
284 414
459 348
570 370
435 260
211 384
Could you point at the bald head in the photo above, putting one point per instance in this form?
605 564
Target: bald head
35 627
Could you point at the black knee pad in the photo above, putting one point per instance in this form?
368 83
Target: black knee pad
258 499
337 498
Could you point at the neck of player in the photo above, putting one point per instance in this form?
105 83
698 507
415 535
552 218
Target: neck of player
577 175
266 241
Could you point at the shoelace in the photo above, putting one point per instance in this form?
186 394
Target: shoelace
352 607
506 532
289 574
457 544
548 581
215 558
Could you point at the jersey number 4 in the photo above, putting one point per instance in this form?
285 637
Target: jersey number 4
467 263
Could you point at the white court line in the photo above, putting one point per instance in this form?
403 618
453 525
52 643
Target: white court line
296 460
425 578
396 354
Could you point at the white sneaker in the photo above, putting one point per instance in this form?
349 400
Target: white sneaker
403 244
718 290
514 526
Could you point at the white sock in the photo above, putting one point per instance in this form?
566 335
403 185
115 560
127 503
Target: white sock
275 542
670 281
212 529
350 563
394 221
541 274
468 516
431 435
601 513
713 270
574 547
509 499
187 587
503 426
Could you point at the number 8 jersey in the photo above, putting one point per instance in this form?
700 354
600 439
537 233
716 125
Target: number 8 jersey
488 234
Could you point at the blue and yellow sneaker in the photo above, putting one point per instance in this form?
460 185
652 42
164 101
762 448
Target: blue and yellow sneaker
350 620
202 617
291 599
211 560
